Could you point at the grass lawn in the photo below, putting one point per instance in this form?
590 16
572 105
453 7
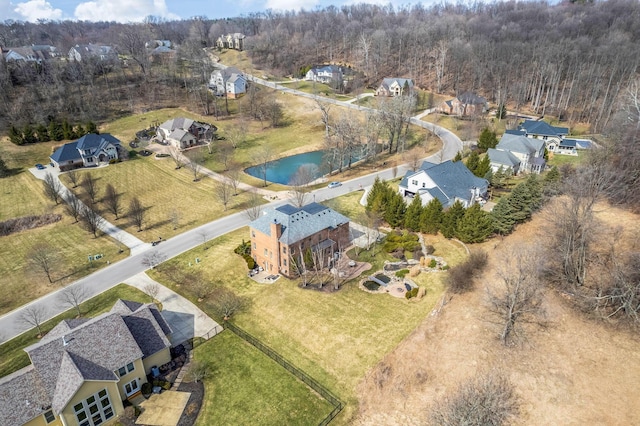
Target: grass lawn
334 337
162 190
348 205
12 355
559 160
244 386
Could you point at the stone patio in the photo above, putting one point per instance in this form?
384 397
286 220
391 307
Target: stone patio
163 409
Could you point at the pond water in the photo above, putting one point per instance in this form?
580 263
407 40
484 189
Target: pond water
282 170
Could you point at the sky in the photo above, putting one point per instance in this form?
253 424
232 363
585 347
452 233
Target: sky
137 10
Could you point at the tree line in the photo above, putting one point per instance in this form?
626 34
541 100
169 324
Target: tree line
54 131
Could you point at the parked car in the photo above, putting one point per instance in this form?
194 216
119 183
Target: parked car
334 184
40 166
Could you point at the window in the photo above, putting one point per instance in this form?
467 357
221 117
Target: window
266 252
94 410
284 250
126 369
285 262
49 417
254 246
131 387
414 182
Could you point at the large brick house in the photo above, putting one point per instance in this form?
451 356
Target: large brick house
83 369
288 232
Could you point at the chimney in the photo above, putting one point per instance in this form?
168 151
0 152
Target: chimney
276 229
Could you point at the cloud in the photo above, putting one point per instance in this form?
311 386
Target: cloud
291 4
37 9
122 10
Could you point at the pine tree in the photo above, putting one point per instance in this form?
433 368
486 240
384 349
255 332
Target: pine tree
91 127
67 130
450 220
413 214
535 191
431 218
487 139
473 161
521 202
395 208
499 178
80 131
375 195
28 134
503 217
458 156
15 135
55 131
551 182
483 167
475 226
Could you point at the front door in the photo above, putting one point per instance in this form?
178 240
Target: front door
131 387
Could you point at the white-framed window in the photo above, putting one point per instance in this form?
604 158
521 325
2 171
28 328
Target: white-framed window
414 182
94 410
49 417
132 387
126 369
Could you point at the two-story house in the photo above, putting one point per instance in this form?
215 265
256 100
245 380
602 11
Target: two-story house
229 82
467 104
538 129
83 52
448 182
326 74
395 87
90 150
83 369
518 152
183 132
287 232
231 41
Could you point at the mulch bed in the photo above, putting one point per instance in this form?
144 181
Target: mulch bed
190 413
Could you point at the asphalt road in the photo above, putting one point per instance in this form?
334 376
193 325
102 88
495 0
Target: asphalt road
12 324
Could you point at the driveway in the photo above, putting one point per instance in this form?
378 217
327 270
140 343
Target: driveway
185 319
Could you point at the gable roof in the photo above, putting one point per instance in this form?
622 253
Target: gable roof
470 98
535 127
177 123
96 142
519 143
67 152
79 350
299 223
387 82
503 157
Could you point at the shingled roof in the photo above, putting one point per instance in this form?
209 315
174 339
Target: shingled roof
542 128
299 223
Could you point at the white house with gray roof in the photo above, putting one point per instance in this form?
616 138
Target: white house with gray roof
395 87
286 233
229 82
529 151
89 151
83 369
448 182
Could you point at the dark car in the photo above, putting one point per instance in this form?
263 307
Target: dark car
40 166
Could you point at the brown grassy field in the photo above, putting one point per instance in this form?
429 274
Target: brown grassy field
575 371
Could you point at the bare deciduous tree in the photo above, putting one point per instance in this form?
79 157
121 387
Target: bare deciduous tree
195 162
44 257
517 298
73 206
254 206
176 156
91 219
225 302
300 183
152 289
325 117
72 296
222 190
74 177
234 177
112 200
487 399
174 218
236 134
90 186
153 259
137 213
263 157
34 316
224 152
52 188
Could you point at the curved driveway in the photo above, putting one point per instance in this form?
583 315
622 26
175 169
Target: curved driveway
11 324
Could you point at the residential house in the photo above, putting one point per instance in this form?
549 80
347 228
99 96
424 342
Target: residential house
83 369
503 159
327 74
287 232
395 87
228 81
90 150
184 132
83 52
26 54
448 182
231 41
467 104
538 129
153 44
529 152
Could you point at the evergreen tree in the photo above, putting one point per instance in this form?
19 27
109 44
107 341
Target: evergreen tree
67 130
413 214
91 127
42 134
473 161
489 175
484 166
431 218
487 139
521 202
475 226
377 196
450 220
551 183
80 131
394 213
28 134
503 217
55 131
15 135
499 178
4 170
534 186
458 156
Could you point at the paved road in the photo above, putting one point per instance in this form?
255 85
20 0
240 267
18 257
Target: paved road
11 324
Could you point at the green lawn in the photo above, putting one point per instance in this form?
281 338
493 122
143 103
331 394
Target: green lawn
12 355
334 337
559 160
244 386
348 205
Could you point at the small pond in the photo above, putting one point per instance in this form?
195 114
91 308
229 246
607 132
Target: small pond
371 286
283 170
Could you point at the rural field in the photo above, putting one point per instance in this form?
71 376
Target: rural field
335 337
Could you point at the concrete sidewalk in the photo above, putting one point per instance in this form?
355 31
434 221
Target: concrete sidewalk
185 319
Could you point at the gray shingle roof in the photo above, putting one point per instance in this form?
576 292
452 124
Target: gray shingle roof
79 350
505 158
387 82
542 128
96 142
299 223
67 152
470 98
519 143
177 123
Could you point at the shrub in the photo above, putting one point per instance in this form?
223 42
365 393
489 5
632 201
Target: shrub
408 295
114 161
243 248
251 264
445 268
390 246
401 273
166 385
462 277
430 249
433 263
414 292
133 153
146 388
11 226
411 245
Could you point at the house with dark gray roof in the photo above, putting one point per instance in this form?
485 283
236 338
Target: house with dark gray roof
467 104
183 132
83 52
395 87
504 160
90 150
231 41
229 82
326 74
529 151
281 237
448 182
538 129
83 370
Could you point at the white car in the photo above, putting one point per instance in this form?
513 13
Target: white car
334 185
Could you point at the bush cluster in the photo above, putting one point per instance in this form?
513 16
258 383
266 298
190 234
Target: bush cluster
11 226
54 130
462 277
411 293
244 250
402 273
